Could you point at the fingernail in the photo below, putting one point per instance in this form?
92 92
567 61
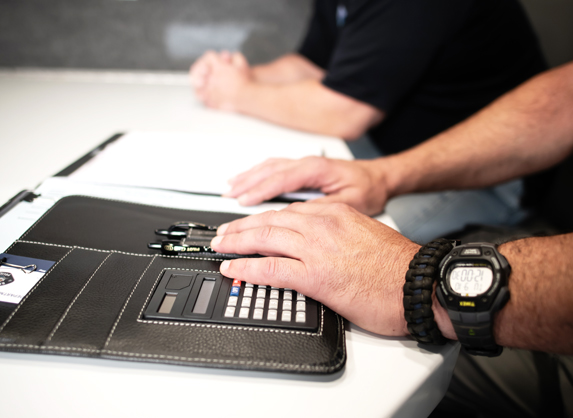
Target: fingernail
224 266
215 241
221 229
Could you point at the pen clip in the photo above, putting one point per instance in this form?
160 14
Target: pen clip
196 225
185 229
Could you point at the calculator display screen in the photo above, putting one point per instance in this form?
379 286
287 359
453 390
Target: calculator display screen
167 304
204 296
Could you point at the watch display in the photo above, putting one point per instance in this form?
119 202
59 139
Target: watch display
470 280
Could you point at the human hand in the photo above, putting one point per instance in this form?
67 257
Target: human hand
351 263
200 71
220 78
360 183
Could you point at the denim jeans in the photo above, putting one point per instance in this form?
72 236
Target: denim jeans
425 216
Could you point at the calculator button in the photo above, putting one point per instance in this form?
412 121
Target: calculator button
233 301
300 296
236 282
300 306
272 315
258 314
261 293
274 288
273 304
248 285
230 312
287 305
248 292
235 290
262 287
244 313
246 302
286 316
300 317
274 294
259 303
287 295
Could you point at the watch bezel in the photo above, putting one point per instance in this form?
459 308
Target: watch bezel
488 257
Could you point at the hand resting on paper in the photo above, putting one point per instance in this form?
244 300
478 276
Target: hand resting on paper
361 184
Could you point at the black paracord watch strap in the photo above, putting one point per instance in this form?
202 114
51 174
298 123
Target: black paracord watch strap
418 289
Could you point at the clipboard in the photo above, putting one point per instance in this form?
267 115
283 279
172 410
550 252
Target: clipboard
92 302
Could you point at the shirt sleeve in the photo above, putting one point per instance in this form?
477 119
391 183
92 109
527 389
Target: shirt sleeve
320 38
385 47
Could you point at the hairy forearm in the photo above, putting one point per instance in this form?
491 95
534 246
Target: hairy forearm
289 68
308 105
539 314
525 131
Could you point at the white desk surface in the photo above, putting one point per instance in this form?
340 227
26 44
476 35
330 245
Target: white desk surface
48 120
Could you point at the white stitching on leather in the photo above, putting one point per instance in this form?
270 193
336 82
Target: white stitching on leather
74 300
32 291
186 359
126 303
118 252
157 356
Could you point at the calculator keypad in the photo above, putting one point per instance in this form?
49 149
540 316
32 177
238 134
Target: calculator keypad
271 304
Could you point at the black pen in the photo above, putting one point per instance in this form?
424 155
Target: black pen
188 229
173 247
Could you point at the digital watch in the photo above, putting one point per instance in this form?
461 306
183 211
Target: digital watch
473 286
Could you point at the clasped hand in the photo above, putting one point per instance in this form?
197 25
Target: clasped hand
218 79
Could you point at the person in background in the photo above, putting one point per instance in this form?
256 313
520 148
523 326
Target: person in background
356 265
400 71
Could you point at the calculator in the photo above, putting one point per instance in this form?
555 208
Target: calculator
214 298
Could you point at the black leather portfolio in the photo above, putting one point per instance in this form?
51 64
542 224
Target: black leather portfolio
108 295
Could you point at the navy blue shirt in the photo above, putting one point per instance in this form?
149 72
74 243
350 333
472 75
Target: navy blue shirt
428 64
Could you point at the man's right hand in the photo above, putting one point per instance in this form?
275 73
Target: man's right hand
360 184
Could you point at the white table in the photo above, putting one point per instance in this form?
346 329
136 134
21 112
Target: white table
47 121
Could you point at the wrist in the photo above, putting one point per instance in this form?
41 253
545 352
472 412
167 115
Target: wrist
391 174
443 319
243 91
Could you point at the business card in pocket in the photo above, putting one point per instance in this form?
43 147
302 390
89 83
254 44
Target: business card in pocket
18 275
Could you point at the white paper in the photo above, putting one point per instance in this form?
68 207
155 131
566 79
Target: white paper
192 162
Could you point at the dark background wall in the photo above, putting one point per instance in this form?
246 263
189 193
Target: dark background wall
170 34
144 34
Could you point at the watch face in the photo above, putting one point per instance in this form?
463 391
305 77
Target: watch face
470 280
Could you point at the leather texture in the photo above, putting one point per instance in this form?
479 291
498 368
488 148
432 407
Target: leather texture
91 301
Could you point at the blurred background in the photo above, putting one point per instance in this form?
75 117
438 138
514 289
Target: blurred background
168 35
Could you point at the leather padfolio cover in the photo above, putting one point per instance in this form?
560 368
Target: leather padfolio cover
91 302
